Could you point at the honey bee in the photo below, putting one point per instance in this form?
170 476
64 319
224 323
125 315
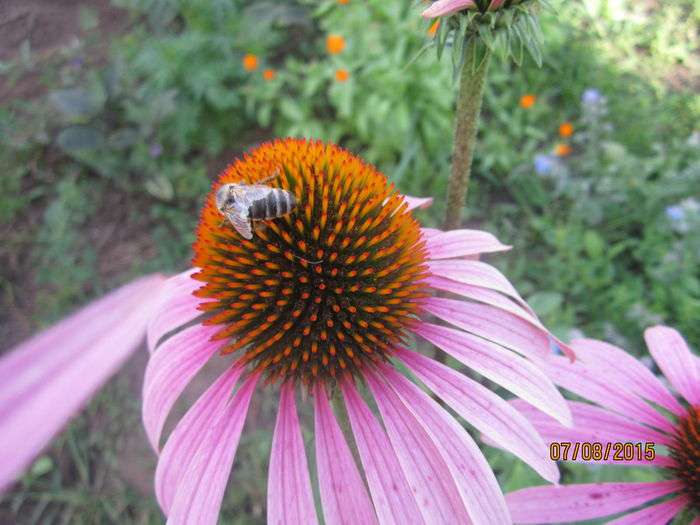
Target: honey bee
242 204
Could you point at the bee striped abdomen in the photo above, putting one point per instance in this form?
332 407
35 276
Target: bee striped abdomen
275 204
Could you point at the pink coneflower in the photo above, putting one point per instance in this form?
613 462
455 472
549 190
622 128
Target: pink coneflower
322 300
622 389
49 378
450 7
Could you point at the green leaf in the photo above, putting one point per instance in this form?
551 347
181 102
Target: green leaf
544 303
291 109
594 244
87 19
43 465
79 138
160 187
123 138
77 103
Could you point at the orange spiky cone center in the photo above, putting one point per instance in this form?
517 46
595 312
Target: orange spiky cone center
325 290
686 453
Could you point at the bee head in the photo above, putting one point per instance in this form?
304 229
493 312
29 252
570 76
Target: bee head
225 197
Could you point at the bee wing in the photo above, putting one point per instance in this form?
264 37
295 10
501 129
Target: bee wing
239 218
252 193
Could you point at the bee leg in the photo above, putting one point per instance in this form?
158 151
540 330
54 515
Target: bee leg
274 175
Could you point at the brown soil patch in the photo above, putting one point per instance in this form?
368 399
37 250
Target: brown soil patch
48 26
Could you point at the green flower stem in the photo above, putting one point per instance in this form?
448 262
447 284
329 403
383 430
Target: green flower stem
471 93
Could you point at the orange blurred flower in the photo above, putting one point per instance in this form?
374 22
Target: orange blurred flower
562 150
335 44
341 75
527 101
269 74
433 28
343 2
250 62
566 129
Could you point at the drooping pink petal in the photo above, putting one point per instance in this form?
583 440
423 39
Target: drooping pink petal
417 202
177 307
671 353
89 320
483 295
475 273
628 372
590 384
461 243
342 490
501 366
290 499
495 4
491 323
447 7
388 487
49 378
595 425
427 473
569 503
592 422
486 411
201 490
170 371
659 514
475 480
188 436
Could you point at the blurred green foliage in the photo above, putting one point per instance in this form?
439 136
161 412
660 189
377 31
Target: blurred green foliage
123 146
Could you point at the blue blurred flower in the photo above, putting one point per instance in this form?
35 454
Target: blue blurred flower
77 63
544 164
591 97
155 150
675 213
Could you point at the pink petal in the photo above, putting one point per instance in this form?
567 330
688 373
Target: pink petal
486 411
628 371
388 487
491 323
594 425
169 371
88 321
671 353
427 233
426 471
659 514
475 480
475 273
460 243
568 503
483 295
591 423
417 202
590 384
447 7
342 491
49 378
290 498
201 491
501 366
178 307
188 436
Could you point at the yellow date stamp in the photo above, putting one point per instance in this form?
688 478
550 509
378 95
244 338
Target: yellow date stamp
597 451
